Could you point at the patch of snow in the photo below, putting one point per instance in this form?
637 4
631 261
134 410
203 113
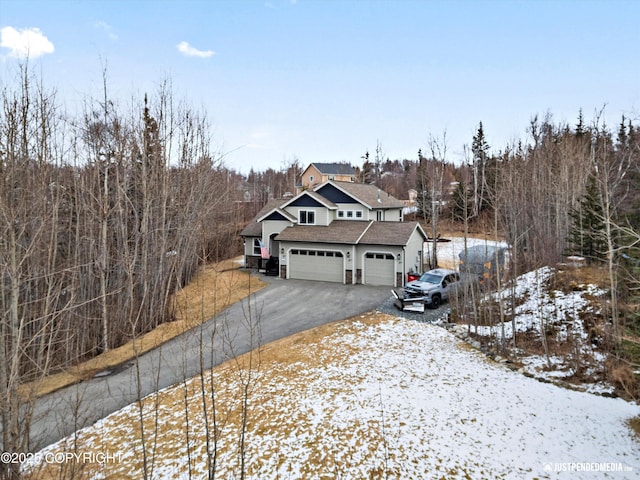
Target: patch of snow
398 399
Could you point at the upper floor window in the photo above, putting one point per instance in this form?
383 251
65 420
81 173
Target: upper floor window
307 217
350 214
311 178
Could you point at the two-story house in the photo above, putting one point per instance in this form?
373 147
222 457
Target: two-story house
338 232
318 173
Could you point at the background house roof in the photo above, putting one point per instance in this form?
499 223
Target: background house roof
334 168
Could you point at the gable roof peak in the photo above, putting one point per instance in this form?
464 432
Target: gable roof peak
368 194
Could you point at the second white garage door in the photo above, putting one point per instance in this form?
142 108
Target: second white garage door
316 265
379 269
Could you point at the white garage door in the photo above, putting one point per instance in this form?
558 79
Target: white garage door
316 265
379 269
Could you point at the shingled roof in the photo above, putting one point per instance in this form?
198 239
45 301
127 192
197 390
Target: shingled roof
344 231
335 168
370 195
351 232
254 229
389 233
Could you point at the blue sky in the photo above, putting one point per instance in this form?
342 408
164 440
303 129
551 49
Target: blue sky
326 80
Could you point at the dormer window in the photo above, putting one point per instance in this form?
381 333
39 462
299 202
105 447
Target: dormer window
307 217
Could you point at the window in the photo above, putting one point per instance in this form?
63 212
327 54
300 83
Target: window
256 246
380 256
311 178
350 214
307 217
379 215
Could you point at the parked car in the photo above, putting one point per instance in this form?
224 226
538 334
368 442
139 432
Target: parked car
431 289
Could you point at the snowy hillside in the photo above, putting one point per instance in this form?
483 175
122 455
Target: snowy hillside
376 397
570 352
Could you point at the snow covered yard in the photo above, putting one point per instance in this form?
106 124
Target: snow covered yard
371 397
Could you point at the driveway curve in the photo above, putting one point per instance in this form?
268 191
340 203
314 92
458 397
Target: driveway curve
281 309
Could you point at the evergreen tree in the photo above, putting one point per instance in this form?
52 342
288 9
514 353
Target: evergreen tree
587 237
480 152
423 199
367 173
580 130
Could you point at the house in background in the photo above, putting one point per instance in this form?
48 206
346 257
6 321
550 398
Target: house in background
341 232
318 173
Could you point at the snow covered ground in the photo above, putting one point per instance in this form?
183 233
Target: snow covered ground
375 397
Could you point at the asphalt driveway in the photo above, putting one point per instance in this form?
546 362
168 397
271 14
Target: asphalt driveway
283 308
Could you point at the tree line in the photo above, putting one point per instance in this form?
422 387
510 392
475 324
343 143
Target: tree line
564 191
103 216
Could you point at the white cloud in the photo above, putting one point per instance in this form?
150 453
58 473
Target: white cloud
27 43
107 28
189 51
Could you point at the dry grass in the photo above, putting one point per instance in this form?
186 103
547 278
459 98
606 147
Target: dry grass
570 278
267 370
634 423
214 288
